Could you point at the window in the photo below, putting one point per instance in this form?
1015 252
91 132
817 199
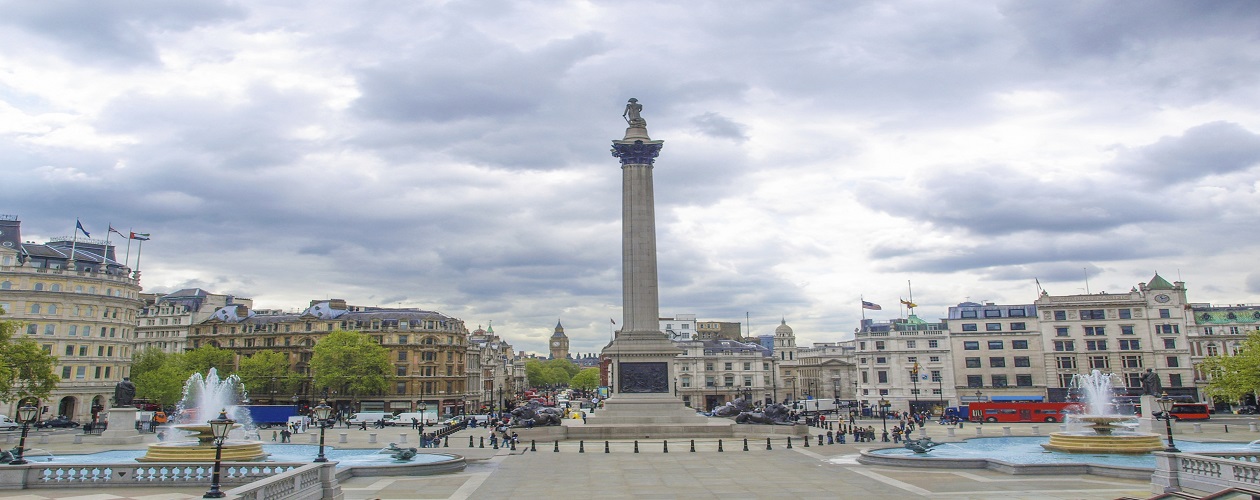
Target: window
968 313
1060 315
995 345
879 345
992 313
708 366
80 372
1023 381
1065 379
729 380
912 359
1100 362
1165 313
1023 361
34 308
1064 345
1015 313
1133 379
934 359
1019 326
1167 329
1126 314
997 362
910 344
936 375
970 327
971 345
1061 331
999 381
1174 379
50 329
747 367
973 362
686 381
1173 361
708 382
69 350
1019 344
727 366
1095 345
747 381
1130 345
1131 361
881 376
1126 329
1087 314
881 360
1095 331
1170 343
992 327
934 344
65 372
975 381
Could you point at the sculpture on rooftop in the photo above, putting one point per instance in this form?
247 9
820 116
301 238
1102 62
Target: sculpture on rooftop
632 113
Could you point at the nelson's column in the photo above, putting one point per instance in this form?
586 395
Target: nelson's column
642 369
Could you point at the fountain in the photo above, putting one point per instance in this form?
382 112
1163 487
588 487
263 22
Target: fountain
203 398
1103 434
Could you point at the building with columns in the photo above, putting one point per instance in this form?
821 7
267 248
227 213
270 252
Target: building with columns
80 304
166 319
1219 331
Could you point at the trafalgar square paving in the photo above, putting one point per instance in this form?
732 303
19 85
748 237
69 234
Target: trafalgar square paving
584 469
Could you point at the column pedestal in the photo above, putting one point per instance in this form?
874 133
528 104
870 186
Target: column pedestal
122 427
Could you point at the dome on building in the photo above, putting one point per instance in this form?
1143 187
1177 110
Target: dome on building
783 329
232 313
324 310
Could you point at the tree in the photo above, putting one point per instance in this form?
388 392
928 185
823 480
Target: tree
556 376
26 371
1234 377
534 375
258 371
586 380
350 362
159 376
570 368
202 359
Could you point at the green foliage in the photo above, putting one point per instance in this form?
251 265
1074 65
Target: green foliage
351 363
534 373
556 375
570 368
202 359
586 380
1234 377
258 371
159 376
25 369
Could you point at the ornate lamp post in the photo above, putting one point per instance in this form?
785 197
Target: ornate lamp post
883 416
219 427
914 379
1166 406
422 406
26 415
321 413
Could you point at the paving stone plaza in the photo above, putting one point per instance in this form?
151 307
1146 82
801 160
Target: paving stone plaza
828 471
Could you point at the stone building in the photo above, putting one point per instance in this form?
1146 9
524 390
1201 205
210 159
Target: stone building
713 330
166 319
997 354
714 372
826 370
498 379
1122 333
80 304
1219 331
559 343
894 356
428 350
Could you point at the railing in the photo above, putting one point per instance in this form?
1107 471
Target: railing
307 482
1206 471
139 474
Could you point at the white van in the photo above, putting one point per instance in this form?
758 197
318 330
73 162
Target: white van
428 417
7 424
371 417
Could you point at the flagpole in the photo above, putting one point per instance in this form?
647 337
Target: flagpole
139 248
862 306
911 290
127 264
105 250
74 242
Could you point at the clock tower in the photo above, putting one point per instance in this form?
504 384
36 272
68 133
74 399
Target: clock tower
559 343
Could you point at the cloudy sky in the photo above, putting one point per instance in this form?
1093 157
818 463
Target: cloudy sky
454 155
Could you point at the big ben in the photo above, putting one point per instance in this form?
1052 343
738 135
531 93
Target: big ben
559 343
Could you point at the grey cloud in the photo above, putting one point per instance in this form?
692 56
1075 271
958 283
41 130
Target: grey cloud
1209 149
716 125
1023 249
112 32
1252 283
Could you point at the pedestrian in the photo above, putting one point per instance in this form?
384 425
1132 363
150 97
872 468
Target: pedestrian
273 436
415 424
583 417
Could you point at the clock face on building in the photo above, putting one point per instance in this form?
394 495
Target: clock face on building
1161 298
556 343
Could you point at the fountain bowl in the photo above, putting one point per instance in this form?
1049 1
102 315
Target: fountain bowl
1102 437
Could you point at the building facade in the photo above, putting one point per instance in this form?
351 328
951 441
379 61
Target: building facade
711 373
1220 331
74 299
898 360
996 353
427 349
166 319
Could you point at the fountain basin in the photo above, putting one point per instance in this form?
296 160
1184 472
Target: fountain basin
189 451
1091 442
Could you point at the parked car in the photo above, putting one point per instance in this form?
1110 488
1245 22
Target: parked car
58 422
1247 410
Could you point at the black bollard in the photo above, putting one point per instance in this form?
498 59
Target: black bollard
693 446
1227 428
636 446
470 441
481 443
719 446
606 447
806 440
789 446
581 446
556 447
666 443
446 442
745 444
512 445
819 440
768 443
531 446
494 444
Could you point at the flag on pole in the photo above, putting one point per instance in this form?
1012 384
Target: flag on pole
115 231
79 226
139 236
871 305
909 304
610 320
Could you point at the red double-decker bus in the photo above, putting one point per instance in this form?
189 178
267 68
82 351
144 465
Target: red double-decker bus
1012 411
